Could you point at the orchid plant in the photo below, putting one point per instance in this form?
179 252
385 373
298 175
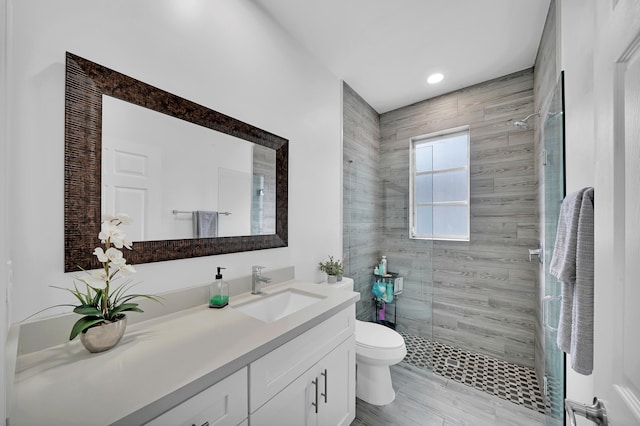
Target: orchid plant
103 300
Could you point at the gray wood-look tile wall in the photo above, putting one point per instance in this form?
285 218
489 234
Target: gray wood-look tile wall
478 295
264 160
362 196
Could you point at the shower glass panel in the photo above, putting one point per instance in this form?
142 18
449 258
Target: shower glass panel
554 192
361 229
375 223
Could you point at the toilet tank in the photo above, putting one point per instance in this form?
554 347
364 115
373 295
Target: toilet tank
345 284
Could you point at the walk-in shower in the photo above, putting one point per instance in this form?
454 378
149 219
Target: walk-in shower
372 203
469 310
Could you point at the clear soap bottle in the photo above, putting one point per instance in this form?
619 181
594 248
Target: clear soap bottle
219 292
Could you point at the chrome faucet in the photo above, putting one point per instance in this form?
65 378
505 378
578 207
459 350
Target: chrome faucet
257 278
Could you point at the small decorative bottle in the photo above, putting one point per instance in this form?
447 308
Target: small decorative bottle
219 292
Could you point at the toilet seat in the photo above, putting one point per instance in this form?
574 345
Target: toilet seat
377 336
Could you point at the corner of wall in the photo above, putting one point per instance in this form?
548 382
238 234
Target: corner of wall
4 226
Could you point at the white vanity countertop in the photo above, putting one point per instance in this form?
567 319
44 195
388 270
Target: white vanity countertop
157 364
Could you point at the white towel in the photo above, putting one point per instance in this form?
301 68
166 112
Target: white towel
205 224
572 264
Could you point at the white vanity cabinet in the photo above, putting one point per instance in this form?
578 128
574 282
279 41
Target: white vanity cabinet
309 380
223 404
322 396
262 373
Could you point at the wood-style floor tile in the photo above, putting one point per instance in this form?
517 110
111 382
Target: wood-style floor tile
426 399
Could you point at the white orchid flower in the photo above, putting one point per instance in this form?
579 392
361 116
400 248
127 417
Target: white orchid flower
115 256
127 269
102 257
127 243
107 230
107 218
120 242
110 232
97 278
124 218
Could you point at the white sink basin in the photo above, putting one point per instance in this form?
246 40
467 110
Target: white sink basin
269 308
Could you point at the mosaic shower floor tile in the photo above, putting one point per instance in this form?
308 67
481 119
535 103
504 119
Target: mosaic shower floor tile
508 381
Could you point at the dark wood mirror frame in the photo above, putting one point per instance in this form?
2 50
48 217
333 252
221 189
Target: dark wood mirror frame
86 82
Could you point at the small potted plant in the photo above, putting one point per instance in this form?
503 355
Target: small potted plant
102 300
333 268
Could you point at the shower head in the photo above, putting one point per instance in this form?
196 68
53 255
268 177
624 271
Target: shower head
522 124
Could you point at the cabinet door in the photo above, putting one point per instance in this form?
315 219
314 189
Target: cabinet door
291 406
224 403
329 385
337 383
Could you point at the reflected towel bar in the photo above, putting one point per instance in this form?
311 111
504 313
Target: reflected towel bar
189 212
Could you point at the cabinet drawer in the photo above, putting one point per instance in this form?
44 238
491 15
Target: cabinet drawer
224 403
277 369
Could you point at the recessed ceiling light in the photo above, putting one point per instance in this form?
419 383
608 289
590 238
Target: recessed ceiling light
435 78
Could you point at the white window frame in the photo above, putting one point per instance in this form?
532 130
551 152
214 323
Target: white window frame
434 137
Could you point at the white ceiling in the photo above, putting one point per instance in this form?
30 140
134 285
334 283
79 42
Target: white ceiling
385 49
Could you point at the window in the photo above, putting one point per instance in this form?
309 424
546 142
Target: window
439 182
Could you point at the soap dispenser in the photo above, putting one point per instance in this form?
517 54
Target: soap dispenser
219 292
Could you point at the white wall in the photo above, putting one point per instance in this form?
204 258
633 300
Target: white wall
576 59
4 244
224 54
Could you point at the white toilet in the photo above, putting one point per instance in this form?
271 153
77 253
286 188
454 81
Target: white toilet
377 348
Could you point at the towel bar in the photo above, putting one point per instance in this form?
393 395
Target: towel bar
189 212
596 412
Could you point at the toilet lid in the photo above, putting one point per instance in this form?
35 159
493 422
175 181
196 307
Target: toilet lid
377 336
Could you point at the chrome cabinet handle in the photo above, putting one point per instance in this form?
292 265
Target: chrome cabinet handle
597 412
326 378
315 404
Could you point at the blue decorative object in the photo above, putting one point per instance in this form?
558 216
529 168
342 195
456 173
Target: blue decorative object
378 289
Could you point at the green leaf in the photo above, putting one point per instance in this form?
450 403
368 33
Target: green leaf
88 310
128 297
75 292
82 324
125 307
96 299
119 291
50 307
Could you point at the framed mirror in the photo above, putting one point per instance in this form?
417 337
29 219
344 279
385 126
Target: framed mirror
88 88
